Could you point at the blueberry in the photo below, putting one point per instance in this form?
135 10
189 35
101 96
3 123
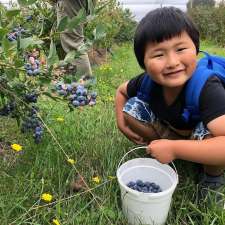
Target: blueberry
27 66
62 92
76 103
82 103
30 72
38 129
81 98
69 87
36 71
94 95
92 102
140 183
147 184
145 189
85 92
131 184
155 186
80 87
139 188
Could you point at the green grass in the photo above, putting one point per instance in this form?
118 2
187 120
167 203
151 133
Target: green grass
91 138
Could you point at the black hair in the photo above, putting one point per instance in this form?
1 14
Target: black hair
162 24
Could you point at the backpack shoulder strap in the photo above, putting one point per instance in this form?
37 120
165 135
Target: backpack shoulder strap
145 88
207 67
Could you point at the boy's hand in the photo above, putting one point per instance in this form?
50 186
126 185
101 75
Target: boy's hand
162 150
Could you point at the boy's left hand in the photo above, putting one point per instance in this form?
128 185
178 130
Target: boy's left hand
162 150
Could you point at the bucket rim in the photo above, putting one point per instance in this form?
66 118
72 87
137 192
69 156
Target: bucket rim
153 195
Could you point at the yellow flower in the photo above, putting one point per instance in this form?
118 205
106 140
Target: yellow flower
96 179
46 197
71 161
55 222
16 147
60 119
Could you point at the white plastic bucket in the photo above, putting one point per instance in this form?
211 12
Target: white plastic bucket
146 208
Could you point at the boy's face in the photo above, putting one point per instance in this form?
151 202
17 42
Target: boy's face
172 62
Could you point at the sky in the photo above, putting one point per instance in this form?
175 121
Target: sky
141 7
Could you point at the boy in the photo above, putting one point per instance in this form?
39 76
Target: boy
166 45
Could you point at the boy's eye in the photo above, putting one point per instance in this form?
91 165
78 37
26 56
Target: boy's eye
158 55
180 49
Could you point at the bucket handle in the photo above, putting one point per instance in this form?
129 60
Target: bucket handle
141 147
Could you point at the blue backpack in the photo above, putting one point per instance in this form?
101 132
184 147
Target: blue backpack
208 66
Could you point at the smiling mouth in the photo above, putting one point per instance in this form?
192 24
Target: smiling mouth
173 73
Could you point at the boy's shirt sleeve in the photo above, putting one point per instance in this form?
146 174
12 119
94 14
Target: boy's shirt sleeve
134 85
212 100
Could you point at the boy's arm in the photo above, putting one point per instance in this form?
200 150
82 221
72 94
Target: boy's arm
208 151
120 100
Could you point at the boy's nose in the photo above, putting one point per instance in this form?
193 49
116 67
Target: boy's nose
172 61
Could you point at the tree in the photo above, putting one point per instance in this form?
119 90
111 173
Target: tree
196 3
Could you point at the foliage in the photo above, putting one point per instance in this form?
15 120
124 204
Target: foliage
127 28
210 22
90 137
28 57
113 21
196 3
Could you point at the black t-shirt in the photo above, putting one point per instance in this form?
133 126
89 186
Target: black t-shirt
211 102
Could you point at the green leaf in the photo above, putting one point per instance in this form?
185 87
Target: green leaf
13 12
52 57
10 73
44 80
26 2
3 32
6 46
99 32
77 20
62 25
30 41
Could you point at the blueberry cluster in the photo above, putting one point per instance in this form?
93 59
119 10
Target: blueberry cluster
33 66
33 123
7 109
16 32
77 94
31 97
146 187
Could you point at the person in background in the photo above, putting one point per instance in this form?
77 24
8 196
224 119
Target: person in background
73 40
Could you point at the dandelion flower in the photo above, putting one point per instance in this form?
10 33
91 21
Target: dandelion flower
71 161
60 119
55 222
96 179
46 197
16 147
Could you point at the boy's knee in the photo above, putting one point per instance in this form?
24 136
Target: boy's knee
142 129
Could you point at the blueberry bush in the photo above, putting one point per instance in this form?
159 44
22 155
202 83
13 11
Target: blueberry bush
210 22
29 37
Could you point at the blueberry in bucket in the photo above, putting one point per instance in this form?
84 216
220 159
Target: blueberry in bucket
145 187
